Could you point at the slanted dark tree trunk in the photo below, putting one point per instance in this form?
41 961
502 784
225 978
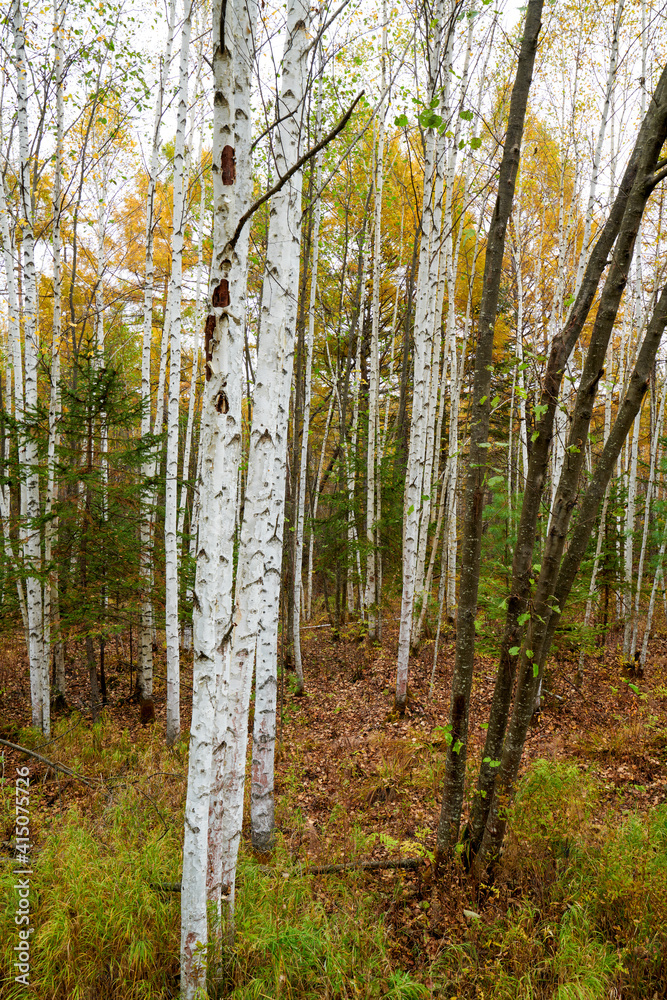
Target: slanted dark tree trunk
622 227
452 800
589 506
538 636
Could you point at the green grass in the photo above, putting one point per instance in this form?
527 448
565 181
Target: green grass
578 907
589 902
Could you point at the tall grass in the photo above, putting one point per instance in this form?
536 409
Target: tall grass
584 900
578 908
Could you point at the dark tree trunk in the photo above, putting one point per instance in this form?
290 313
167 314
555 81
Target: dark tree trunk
622 223
539 635
452 799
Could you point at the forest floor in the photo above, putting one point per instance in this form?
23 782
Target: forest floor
578 907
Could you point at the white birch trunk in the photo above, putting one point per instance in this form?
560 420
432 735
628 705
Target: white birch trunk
51 525
16 382
316 498
187 449
286 230
231 726
372 595
422 381
597 154
303 466
39 665
350 456
145 650
171 484
233 39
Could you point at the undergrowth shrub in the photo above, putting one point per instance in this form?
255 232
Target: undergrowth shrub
104 931
578 908
101 931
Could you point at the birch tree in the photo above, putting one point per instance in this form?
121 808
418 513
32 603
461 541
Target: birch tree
303 465
436 40
171 512
38 656
233 34
145 652
260 554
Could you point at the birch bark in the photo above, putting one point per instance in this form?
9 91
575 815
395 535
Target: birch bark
39 664
303 465
171 485
260 552
229 754
233 49
16 361
51 603
145 651
372 596
421 382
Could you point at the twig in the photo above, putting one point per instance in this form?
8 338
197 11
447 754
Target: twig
51 763
297 166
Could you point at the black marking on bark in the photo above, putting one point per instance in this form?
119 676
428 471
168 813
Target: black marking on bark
209 330
223 13
221 294
221 400
228 165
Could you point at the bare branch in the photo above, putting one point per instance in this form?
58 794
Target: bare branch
297 166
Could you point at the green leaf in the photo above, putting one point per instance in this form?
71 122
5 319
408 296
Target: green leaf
534 436
514 651
483 400
429 119
522 619
401 121
457 746
495 400
536 669
466 115
476 142
529 654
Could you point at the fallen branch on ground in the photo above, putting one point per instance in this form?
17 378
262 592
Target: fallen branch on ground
91 782
408 864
